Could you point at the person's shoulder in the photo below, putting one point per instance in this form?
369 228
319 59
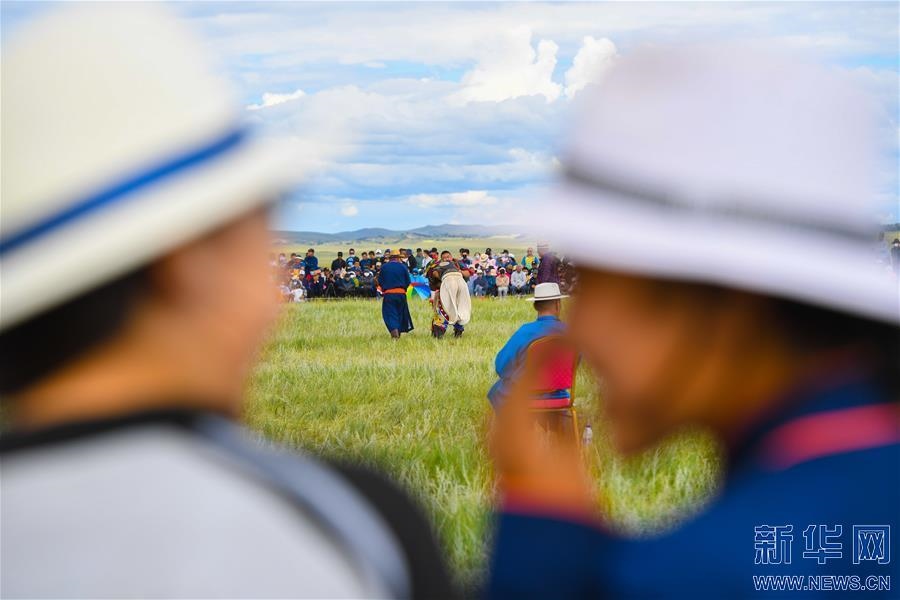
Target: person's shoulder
147 480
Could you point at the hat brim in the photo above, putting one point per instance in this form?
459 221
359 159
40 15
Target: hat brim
615 232
145 225
554 297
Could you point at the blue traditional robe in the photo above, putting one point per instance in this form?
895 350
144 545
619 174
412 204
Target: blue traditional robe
811 501
394 308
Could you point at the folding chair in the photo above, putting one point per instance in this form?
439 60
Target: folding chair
555 362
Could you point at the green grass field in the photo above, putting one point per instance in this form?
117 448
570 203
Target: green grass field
331 381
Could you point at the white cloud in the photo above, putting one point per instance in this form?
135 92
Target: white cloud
349 210
510 68
592 61
273 99
469 198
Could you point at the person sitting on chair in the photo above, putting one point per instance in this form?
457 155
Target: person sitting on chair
547 302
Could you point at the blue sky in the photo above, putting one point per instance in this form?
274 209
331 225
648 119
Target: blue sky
438 113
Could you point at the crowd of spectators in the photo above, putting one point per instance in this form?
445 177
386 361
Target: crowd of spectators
355 275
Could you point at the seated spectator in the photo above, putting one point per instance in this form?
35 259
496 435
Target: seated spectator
297 291
510 359
408 259
366 262
284 290
294 263
339 263
473 279
530 261
343 286
367 285
315 285
328 279
518 281
352 259
310 263
464 260
480 286
502 283
490 282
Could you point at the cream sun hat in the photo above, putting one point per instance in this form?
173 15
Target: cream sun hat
547 291
119 144
727 165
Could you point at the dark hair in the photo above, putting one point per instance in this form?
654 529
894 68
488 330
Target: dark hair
540 305
418 249
352 250
311 250
35 348
340 253
815 329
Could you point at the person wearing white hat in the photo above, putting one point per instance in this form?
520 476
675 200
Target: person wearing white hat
510 359
135 295
714 199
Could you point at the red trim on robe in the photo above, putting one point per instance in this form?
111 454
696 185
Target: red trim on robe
829 433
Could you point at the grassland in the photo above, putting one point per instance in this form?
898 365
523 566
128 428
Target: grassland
331 381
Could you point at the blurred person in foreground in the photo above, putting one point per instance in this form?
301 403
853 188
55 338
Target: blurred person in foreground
129 185
755 314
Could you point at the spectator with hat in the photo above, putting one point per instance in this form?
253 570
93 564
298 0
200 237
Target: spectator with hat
757 314
548 265
122 365
510 360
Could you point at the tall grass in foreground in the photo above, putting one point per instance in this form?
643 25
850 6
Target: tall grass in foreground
332 382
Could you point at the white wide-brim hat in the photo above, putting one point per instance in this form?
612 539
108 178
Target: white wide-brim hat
119 144
728 166
547 291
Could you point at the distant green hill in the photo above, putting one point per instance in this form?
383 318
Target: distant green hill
378 234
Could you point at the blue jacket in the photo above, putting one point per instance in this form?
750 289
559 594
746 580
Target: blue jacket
510 358
310 263
394 275
811 500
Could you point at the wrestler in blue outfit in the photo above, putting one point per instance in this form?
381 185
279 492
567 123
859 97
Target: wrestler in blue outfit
394 279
